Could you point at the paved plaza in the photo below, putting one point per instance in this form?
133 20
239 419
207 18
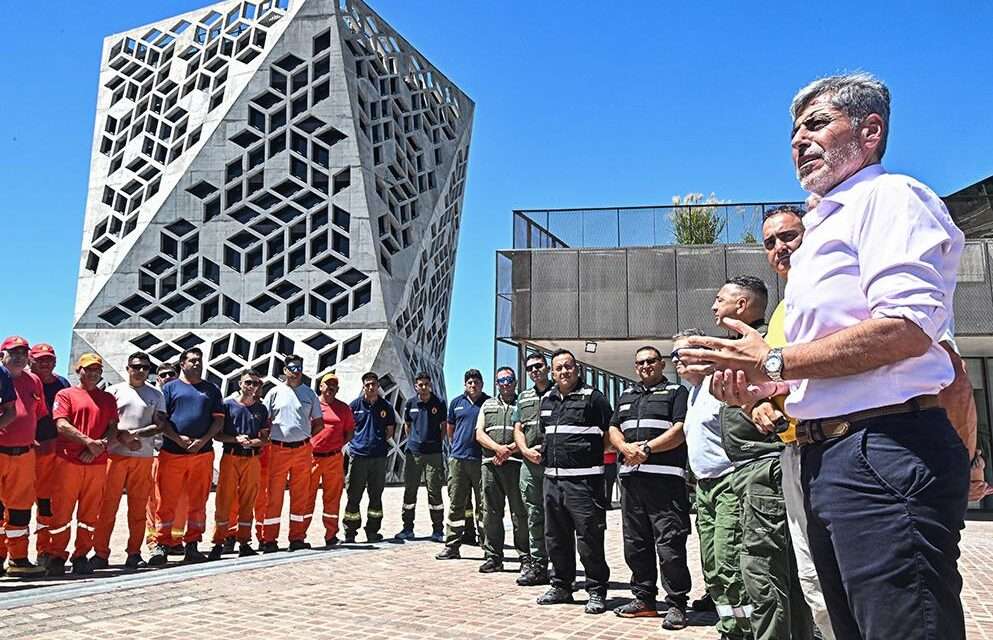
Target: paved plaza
387 590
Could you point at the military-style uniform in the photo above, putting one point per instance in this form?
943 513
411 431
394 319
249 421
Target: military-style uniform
655 505
501 483
531 481
367 467
768 566
464 472
575 506
423 457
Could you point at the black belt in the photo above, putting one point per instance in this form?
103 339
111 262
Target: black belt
824 429
326 454
241 452
291 445
15 451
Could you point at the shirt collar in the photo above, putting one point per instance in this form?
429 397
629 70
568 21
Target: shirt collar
661 385
843 194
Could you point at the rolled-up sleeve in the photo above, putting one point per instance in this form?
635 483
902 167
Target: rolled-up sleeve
905 256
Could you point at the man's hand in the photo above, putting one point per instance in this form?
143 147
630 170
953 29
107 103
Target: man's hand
765 415
197 445
95 448
242 440
747 354
733 389
978 487
532 454
633 453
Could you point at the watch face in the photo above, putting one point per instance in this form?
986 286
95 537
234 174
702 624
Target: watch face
774 362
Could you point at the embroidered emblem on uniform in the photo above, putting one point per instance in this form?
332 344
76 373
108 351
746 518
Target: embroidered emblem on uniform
382 414
434 410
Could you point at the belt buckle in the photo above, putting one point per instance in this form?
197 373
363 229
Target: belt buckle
843 427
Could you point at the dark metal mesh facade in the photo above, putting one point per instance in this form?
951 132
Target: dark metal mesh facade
651 280
555 294
700 273
603 305
973 294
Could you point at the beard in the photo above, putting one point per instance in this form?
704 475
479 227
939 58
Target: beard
838 163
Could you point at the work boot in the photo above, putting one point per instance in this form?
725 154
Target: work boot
98 562
55 567
299 545
675 619
245 550
704 604
24 567
43 559
373 538
269 547
535 574
216 552
492 565
81 566
556 595
637 608
449 553
176 550
159 557
596 603
405 534
134 562
229 543
438 536
349 537
331 542
192 554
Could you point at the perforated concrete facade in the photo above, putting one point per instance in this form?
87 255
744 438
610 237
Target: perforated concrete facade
271 178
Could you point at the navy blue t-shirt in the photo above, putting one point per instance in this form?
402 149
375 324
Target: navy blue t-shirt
371 421
462 413
425 420
245 421
7 393
191 409
46 426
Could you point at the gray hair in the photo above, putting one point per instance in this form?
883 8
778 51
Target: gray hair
686 333
857 95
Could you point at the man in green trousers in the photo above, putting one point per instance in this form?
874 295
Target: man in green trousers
528 437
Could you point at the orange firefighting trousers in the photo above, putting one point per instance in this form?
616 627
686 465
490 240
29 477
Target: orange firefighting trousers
44 484
329 472
80 489
295 463
237 488
133 474
17 493
189 474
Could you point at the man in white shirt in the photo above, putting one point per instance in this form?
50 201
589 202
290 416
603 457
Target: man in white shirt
868 300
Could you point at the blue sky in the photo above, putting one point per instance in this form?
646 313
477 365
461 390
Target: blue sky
578 104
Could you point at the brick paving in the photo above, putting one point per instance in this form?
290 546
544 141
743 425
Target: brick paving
387 590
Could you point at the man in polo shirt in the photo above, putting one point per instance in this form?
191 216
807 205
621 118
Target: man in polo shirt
575 418
141 414
647 429
501 473
295 414
186 463
17 457
424 426
245 431
42 361
328 470
375 423
86 418
464 464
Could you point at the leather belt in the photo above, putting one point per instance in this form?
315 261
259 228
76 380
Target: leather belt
242 452
824 429
326 454
15 451
291 445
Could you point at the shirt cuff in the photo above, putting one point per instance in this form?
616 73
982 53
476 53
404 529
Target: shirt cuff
922 317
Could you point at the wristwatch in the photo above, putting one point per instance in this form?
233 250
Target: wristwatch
773 364
647 449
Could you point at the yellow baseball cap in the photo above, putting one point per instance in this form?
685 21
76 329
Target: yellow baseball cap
328 377
88 360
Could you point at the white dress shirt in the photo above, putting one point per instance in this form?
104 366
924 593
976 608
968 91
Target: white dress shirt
879 245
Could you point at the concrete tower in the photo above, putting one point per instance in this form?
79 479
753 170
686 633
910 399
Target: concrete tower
273 177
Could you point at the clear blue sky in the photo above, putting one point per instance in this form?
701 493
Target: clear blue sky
578 104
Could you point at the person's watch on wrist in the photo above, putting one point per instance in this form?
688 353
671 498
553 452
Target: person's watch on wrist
773 364
646 449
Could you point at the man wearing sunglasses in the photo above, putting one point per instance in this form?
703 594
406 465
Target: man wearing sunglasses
164 373
528 437
246 429
375 423
501 473
647 429
464 466
141 415
295 414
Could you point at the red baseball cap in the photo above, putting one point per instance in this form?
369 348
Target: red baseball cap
42 350
13 342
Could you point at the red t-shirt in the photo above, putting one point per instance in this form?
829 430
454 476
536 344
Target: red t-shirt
91 412
338 421
29 408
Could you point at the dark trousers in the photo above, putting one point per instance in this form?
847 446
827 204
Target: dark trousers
885 507
364 474
576 517
609 479
655 510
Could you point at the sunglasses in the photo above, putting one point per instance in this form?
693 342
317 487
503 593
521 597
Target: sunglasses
537 366
674 355
646 362
139 367
292 368
505 380
167 374
785 237
251 383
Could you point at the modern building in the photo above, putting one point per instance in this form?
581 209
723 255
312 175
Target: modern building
273 177
602 282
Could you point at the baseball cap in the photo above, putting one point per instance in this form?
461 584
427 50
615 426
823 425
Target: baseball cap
13 342
327 377
42 350
88 359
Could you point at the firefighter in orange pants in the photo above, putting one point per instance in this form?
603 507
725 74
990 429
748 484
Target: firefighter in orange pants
245 430
165 373
41 359
86 418
295 414
23 402
329 468
141 414
195 410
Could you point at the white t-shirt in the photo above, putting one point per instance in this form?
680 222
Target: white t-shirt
702 429
135 409
291 409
